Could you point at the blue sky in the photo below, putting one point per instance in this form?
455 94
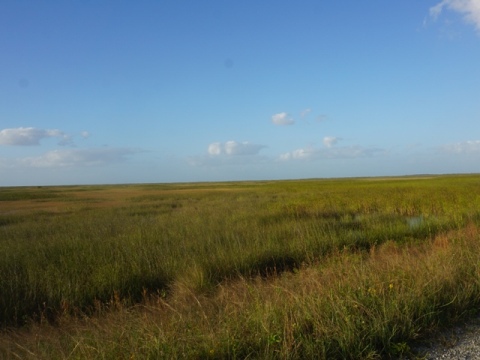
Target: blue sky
180 91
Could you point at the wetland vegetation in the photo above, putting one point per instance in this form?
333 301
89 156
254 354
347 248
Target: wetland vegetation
338 268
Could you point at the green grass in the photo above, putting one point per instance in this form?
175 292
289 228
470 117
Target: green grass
352 268
28 193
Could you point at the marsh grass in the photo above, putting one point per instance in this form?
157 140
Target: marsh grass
296 269
353 305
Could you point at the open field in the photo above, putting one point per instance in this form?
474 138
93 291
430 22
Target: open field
345 268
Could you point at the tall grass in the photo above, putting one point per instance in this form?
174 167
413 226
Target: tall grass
335 241
350 305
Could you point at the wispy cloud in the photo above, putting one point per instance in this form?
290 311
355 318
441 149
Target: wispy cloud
470 9
345 152
78 157
29 136
321 118
305 112
282 118
464 147
231 147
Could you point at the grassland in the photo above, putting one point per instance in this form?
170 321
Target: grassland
347 268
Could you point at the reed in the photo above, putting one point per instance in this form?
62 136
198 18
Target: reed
351 268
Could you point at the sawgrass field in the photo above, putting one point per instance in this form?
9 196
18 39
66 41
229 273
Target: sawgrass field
308 269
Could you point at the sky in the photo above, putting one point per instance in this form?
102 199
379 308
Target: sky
108 92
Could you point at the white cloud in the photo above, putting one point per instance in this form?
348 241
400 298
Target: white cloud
282 119
78 157
231 147
298 154
329 141
346 152
28 136
470 9
244 148
465 147
215 148
85 134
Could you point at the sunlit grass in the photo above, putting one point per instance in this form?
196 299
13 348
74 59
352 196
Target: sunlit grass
332 268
